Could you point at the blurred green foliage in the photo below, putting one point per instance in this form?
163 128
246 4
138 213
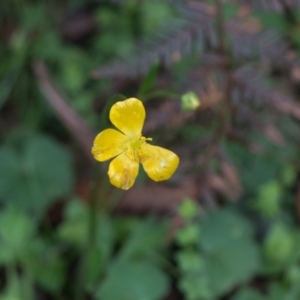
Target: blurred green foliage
247 250
35 170
213 261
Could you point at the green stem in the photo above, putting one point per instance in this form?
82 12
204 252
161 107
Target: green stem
96 193
21 287
92 234
160 93
28 284
93 206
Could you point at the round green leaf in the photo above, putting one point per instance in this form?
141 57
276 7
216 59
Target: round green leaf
231 264
188 209
223 227
280 248
232 254
16 233
269 199
134 281
195 287
190 261
248 294
34 174
188 235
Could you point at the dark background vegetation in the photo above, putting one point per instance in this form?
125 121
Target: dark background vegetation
226 225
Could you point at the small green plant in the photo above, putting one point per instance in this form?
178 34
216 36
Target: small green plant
212 251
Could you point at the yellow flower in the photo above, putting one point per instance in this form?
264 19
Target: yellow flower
130 148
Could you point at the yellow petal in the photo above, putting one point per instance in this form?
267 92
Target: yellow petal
122 172
108 143
159 163
128 116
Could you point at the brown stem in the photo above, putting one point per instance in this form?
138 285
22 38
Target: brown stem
71 120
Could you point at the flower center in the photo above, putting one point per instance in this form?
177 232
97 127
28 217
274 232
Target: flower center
134 146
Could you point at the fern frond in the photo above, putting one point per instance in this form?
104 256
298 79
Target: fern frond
254 89
267 46
194 32
277 5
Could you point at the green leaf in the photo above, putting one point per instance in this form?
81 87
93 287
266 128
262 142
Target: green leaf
16 232
34 174
292 275
224 227
93 266
74 231
53 279
227 266
280 248
152 21
278 291
146 237
73 70
105 236
47 266
226 240
248 294
14 289
268 200
148 81
188 209
134 281
74 228
160 94
195 287
188 235
190 261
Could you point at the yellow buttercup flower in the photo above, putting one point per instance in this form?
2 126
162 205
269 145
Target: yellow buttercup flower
130 148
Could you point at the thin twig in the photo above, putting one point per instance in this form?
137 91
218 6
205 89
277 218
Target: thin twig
71 120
